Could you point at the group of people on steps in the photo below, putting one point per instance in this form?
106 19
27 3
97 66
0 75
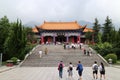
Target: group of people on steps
79 68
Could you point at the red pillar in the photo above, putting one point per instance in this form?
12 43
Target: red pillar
78 39
42 39
49 40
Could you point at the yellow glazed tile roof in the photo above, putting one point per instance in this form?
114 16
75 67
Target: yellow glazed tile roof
60 26
34 30
88 30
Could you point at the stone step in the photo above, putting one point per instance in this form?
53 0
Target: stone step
56 54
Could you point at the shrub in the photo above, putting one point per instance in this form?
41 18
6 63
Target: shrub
117 51
111 56
103 48
14 59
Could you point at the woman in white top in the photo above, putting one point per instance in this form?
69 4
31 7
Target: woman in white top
70 70
102 71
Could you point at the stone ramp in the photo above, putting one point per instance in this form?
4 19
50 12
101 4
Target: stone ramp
56 53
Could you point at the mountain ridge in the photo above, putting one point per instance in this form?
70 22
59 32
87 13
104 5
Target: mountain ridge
82 23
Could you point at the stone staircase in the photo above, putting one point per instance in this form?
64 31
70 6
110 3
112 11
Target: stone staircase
56 53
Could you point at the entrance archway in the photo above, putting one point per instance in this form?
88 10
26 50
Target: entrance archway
61 38
73 39
48 39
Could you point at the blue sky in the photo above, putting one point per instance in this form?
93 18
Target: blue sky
60 10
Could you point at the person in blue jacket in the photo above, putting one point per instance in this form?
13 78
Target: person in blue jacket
80 70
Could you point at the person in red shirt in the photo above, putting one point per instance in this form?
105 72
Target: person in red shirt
60 68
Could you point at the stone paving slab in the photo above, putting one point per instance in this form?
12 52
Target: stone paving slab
51 73
5 68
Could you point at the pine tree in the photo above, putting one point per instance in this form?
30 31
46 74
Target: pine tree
16 41
117 36
113 37
4 30
99 38
107 28
96 29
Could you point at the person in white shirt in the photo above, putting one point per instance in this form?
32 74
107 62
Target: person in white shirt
95 70
40 54
102 71
70 70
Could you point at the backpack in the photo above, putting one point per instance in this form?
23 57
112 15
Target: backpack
95 67
60 66
103 69
70 68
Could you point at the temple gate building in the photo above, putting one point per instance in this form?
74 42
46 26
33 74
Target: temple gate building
69 32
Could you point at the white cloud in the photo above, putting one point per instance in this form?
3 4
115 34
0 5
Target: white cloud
63 10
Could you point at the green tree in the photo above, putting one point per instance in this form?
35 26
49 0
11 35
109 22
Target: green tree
89 36
99 38
4 29
118 35
113 37
30 34
96 29
107 28
16 42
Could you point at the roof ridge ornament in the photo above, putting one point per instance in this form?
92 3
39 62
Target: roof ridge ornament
85 25
44 21
75 21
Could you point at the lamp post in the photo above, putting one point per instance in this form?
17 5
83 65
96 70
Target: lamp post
93 38
110 61
1 59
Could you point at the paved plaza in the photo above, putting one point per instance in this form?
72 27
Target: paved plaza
51 73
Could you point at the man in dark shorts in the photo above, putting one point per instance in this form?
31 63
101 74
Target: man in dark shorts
80 70
95 70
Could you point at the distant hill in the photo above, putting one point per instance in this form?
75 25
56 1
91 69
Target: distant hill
117 26
89 24
82 23
32 24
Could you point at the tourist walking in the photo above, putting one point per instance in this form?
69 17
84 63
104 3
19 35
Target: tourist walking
40 54
70 70
80 70
102 71
90 51
46 51
64 46
84 50
80 46
60 68
95 70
